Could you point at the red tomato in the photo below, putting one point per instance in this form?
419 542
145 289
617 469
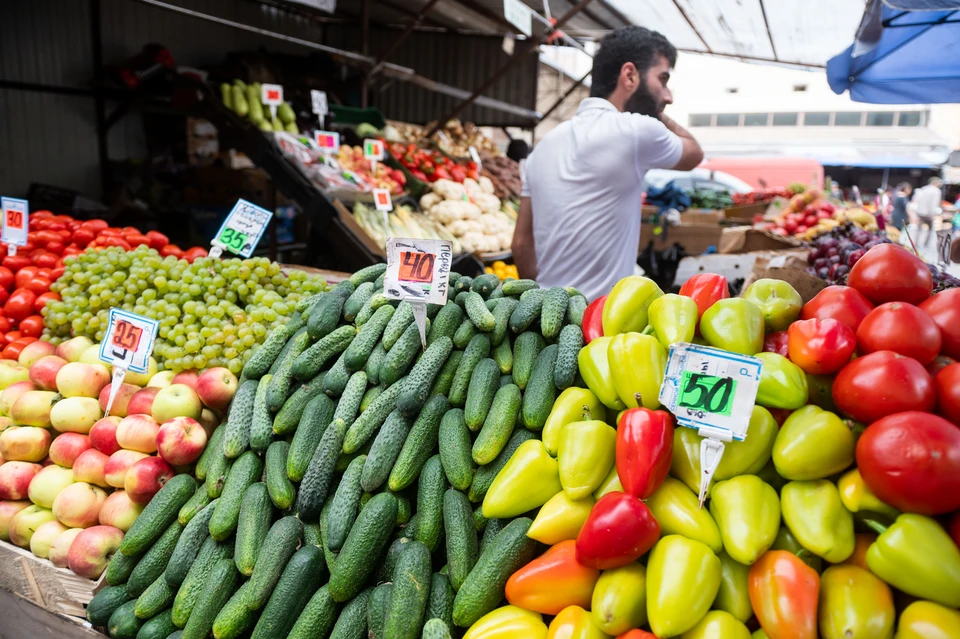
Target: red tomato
38 285
591 324
911 461
44 273
56 247
116 241
191 254
46 259
157 239
820 347
883 383
43 298
57 273
171 249
842 303
39 215
67 252
45 237
776 343
110 232
947 385
25 274
4 325
4 295
11 336
94 225
20 304
705 289
890 273
902 328
82 237
944 308
136 239
939 363
6 278
127 230
12 350
16 262
32 326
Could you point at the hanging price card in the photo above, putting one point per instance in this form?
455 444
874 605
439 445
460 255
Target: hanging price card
129 340
16 222
373 150
327 141
382 200
271 94
418 271
241 231
318 101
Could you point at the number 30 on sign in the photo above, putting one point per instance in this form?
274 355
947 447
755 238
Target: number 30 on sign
129 340
16 215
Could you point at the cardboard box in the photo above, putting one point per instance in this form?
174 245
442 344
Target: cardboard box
746 239
694 238
787 266
702 216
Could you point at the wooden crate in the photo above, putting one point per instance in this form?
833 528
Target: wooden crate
23 618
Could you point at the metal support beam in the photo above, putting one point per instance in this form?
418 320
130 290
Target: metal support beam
766 23
490 15
565 95
365 50
400 8
750 58
692 26
99 104
403 36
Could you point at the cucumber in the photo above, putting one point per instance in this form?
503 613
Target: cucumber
289 416
261 424
349 405
568 347
411 592
160 627
462 284
491 304
369 395
261 360
352 623
436 629
477 350
484 476
281 491
184 553
377 610
503 356
310 361
196 503
478 313
493 528
219 585
368 274
237 438
301 577
120 568
252 527
311 535
483 588
213 448
541 391
455 453
326 313
416 389
372 367
245 471
286 349
553 312
367 338
367 539
483 385
498 425
281 542
526 348
314 421
104 603
402 318
356 301
505 379
501 317
366 312
441 385
234 618
155 599
389 563
464 333
527 311
517 287
317 618
191 588
306 303
400 358
123 623
384 452
442 595
217 469
461 534
158 514
316 481
446 323
419 445
328 555
371 419
485 284
345 505
575 309
279 388
337 377
432 485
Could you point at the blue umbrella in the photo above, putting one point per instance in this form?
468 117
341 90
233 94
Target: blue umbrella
902 56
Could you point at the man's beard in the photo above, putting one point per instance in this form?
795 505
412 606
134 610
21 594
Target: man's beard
643 102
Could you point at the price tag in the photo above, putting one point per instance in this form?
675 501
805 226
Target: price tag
241 231
318 100
327 141
129 340
382 200
475 157
272 96
373 150
418 271
518 14
16 222
944 241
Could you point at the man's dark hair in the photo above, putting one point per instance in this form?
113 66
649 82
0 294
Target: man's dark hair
633 44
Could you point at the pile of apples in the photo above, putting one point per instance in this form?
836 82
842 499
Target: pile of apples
72 479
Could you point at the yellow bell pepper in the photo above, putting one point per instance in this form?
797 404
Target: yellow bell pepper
560 519
747 511
572 405
674 319
683 578
626 307
678 510
508 622
718 624
815 515
610 484
734 594
620 599
928 620
856 496
854 604
586 454
637 365
595 370
574 622
528 481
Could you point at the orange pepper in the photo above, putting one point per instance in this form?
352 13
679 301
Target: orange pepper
784 593
861 545
553 581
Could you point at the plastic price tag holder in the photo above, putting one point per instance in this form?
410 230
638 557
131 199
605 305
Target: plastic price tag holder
15 223
272 96
318 103
127 346
476 157
383 202
373 151
328 142
712 391
418 271
241 231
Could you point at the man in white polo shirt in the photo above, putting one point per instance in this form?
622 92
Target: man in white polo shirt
579 220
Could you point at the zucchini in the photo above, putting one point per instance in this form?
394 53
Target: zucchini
541 391
527 311
455 449
484 476
402 318
314 421
483 386
261 424
252 527
245 471
432 485
498 425
279 388
415 390
364 426
310 361
289 416
104 603
553 312
478 313
356 301
196 503
301 577
217 589
367 338
477 350
237 438
281 491
261 360
281 542
317 618
384 452
411 592
446 323
420 444
400 358
526 348
316 481
158 514
441 385
345 505
461 535
234 618
352 623
184 553
568 347
367 539
442 595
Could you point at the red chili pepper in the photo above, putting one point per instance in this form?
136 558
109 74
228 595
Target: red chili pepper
705 289
592 322
618 531
644 450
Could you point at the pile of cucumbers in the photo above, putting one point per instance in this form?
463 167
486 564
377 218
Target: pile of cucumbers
341 497
244 100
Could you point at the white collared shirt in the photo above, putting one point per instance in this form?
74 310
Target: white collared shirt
584 180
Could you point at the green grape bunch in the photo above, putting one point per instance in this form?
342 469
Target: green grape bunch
211 313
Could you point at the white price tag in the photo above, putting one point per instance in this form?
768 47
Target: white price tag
327 141
271 94
16 222
418 271
475 157
373 150
518 14
382 200
241 231
129 340
318 100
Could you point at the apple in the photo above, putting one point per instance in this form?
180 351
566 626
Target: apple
75 414
7 510
73 348
138 432
161 380
25 443
115 470
11 372
78 505
90 467
145 478
187 377
44 371
11 393
49 483
142 401
60 547
77 379
15 478
176 400
26 522
65 449
103 435
141 379
181 440
90 355
121 402
5 423
119 511
33 351
43 538
216 387
92 550
209 421
33 408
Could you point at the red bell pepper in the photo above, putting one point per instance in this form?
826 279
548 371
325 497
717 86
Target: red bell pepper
619 530
592 322
784 593
553 581
636 633
820 347
644 450
705 289
776 343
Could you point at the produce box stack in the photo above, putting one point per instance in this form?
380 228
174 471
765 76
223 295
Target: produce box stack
342 495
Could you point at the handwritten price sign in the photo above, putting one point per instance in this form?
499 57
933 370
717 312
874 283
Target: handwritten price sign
241 231
418 270
271 94
129 340
416 267
16 215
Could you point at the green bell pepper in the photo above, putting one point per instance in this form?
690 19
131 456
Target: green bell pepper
595 370
586 454
734 594
734 324
817 518
813 444
637 364
674 319
626 307
572 405
716 624
783 384
528 480
747 511
786 541
779 302
678 510
683 577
